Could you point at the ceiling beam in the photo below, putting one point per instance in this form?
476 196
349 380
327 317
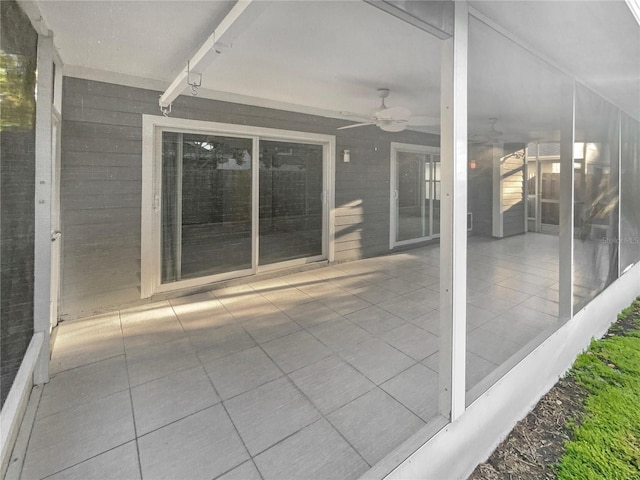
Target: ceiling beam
241 14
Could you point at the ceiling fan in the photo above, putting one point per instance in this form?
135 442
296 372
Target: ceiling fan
490 136
390 119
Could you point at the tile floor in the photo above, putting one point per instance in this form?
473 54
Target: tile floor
315 375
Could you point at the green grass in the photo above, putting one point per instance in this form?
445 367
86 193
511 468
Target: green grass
606 444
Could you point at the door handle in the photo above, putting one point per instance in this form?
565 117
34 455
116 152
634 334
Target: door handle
55 235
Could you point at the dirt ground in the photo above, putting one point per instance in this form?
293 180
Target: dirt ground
537 441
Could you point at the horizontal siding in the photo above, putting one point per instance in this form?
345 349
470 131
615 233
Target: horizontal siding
102 181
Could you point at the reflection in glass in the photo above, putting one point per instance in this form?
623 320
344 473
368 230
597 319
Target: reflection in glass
418 191
629 193
513 251
596 189
206 205
290 201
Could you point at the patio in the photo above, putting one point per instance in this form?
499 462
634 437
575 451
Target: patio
318 374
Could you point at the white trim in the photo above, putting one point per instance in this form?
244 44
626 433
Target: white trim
453 216
157 85
43 190
16 402
296 262
150 223
459 447
207 52
398 147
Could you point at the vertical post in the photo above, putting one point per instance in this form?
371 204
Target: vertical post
567 200
453 239
42 254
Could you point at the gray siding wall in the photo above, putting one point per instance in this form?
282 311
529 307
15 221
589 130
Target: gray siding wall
101 184
17 190
480 189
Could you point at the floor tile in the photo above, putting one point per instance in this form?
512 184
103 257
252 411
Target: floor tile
287 297
491 347
345 303
295 351
317 452
400 285
83 384
248 305
477 316
242 371
310 314
331 383
203 314
477 369
86 341
269 413
417 389
542 305
404 308
413 341
505 293
375 424
152 332
71 436
373 294
339 334
170 398
117 464
270 327
155 361
429 321
201 446
375 320
246 471
376 360
219 342
509 327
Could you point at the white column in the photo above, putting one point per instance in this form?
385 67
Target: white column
453 238
42 256
567 197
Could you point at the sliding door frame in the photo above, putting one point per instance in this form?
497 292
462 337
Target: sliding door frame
394 194
151 220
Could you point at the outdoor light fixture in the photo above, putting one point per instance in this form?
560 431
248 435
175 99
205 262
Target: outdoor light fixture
473 164
346 156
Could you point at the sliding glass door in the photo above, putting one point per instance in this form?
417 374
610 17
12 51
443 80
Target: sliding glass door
226 211
415 194
290 201
206 205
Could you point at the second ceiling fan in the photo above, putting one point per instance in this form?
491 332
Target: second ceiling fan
391 119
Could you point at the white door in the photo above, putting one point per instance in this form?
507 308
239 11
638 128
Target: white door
56 234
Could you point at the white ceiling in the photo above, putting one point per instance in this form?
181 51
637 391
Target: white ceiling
331 56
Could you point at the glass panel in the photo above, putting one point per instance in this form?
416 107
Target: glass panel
512 283
411 208
596 245
206 199
290 201
630 193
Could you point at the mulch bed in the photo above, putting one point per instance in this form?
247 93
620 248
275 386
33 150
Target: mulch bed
537 442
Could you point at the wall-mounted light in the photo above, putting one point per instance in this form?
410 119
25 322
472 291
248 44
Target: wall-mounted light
346 156
473 164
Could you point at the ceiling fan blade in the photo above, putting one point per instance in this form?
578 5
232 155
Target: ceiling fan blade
356 125
423 121
394 113
356 115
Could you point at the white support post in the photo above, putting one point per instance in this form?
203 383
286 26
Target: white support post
453 239
221 37
42 254
567 199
